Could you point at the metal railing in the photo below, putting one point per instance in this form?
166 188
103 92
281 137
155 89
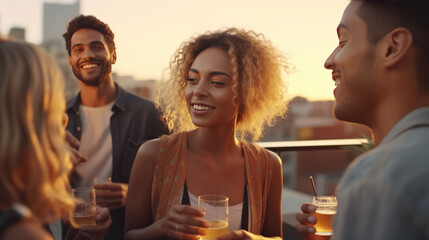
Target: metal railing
289 221
305 145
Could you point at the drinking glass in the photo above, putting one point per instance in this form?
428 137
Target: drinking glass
101 180
326 208
216 214
85 207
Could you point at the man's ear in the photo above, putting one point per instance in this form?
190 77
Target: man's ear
114 57
397 44
70 61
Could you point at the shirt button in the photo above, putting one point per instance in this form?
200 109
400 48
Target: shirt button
78 128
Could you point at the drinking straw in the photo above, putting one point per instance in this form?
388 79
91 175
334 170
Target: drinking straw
314 186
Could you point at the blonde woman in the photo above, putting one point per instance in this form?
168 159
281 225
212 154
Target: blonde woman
34 156
224 87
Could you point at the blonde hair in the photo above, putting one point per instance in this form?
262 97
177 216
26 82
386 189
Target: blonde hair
257 81
34 156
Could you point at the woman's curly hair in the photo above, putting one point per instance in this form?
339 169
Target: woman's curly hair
257 81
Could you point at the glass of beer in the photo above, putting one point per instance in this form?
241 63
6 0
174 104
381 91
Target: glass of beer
85 207
326 208
216 207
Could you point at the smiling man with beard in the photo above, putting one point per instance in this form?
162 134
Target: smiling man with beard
109 122
381 74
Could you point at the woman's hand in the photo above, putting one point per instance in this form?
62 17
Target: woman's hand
240 235
183 222
97 232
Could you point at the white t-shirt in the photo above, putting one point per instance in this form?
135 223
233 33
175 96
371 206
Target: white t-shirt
95 143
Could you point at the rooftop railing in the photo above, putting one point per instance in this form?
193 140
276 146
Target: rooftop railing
289 221
306 145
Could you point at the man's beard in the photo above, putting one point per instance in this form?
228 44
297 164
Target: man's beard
106 69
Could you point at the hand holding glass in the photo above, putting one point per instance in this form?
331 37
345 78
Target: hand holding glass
101 180
85 209
216 214
326 208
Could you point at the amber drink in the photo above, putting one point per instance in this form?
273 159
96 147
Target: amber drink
326 208
216 215
85 208
84 220
216 229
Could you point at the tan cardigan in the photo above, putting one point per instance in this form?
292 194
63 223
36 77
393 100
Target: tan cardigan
170 174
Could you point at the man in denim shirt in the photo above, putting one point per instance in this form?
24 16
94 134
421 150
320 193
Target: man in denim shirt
381 70
110 123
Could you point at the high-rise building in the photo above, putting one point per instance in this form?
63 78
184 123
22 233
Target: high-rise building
55 19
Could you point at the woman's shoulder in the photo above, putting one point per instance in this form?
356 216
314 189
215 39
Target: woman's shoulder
258 151
152 148
26 229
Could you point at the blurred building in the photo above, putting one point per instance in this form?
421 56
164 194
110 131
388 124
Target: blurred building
17 34
314 121
143 88
55 19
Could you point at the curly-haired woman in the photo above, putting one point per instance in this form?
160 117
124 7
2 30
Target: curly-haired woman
224 87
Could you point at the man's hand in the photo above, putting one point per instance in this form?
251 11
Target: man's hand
111 195
306 221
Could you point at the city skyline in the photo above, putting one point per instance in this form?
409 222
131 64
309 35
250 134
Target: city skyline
148 33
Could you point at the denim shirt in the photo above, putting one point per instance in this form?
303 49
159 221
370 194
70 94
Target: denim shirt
385 192
134 121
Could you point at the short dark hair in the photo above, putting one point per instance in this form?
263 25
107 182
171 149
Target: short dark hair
90 22
382 16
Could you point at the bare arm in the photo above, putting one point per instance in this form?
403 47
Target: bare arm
138 211
180 222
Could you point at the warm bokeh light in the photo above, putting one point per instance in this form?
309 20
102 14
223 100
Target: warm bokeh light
148 32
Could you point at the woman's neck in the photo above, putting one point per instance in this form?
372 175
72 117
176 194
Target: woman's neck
212 142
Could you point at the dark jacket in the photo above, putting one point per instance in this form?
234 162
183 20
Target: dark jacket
134 121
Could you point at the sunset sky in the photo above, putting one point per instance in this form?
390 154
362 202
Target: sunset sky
148 32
